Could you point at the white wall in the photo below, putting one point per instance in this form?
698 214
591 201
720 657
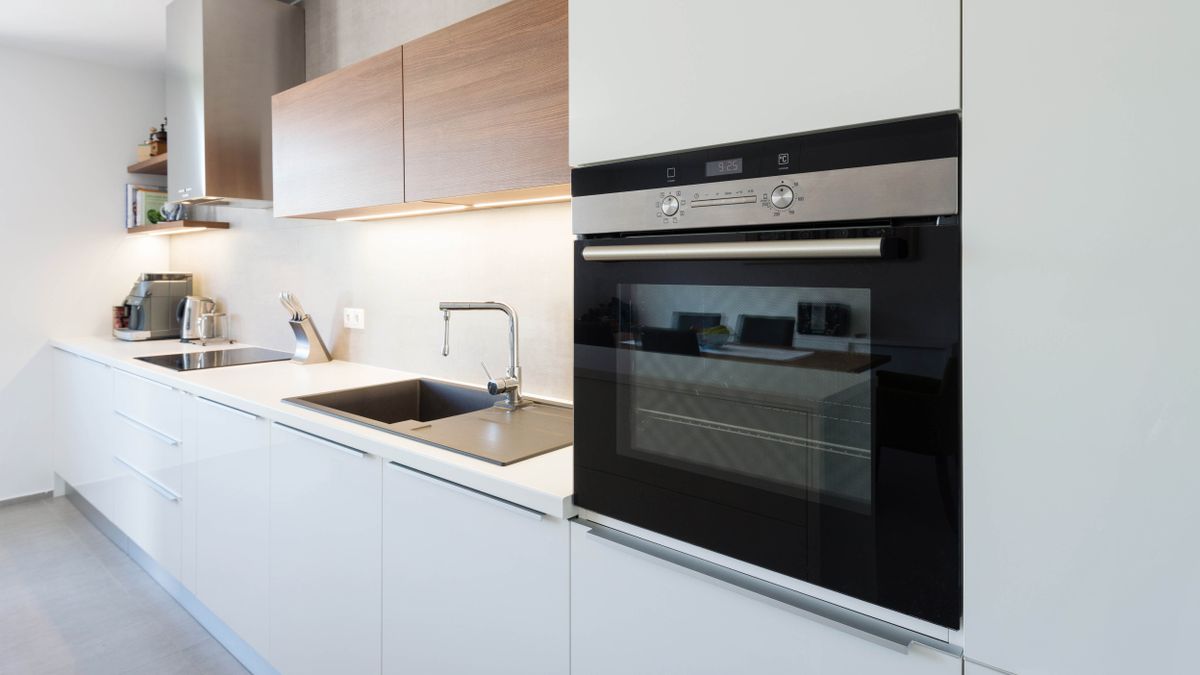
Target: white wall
67 130
1081 330
398 271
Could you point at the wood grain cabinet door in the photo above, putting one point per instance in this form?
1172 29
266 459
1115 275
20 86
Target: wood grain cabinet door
486 103
339 139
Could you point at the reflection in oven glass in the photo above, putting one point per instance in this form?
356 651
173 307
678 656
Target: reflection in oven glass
764 386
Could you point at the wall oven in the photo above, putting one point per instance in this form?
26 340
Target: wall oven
767 356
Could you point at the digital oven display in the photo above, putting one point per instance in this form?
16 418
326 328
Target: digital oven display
723 167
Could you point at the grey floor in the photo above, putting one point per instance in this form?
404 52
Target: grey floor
72 602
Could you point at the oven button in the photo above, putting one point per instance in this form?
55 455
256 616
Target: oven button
781 197
670 205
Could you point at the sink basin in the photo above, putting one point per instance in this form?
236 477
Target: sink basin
450 416
418 400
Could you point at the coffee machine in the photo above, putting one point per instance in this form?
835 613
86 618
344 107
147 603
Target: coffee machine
152 307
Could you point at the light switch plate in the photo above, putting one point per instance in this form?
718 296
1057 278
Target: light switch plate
354 318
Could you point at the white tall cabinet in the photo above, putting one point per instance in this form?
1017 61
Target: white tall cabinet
655 77
324 556
1080 332
471 583
233 463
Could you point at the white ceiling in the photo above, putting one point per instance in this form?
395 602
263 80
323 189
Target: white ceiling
129 33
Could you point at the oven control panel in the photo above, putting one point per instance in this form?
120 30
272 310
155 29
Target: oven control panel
907 168
776 197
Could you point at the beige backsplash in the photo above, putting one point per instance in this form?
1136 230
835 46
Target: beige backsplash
398 271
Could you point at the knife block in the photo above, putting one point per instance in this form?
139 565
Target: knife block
310 348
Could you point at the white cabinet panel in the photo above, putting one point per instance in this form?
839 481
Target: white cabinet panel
324 556
634 613
82 428
1080 392
471 584
232 508
654 77
153 404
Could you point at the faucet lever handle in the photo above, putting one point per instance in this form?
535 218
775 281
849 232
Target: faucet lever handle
485 370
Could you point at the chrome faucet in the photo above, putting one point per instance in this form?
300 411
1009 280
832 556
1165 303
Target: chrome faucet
510 384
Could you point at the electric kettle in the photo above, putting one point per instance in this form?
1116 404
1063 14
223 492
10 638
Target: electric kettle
191 312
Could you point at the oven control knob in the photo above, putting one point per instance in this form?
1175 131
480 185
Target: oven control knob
781 197
670 205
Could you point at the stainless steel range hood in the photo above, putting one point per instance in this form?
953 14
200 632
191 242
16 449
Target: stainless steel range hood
225 59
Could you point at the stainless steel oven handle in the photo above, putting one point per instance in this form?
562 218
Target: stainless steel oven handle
871 247
856 623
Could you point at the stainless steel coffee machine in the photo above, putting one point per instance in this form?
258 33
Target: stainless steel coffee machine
152 307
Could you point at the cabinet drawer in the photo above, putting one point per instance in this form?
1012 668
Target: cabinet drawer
150 514
157 455
635 612
154 405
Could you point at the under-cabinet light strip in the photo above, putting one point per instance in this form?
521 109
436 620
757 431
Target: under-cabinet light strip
405 214
177 230
518 202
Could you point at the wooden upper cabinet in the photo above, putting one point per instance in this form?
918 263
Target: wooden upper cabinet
339 140
485 104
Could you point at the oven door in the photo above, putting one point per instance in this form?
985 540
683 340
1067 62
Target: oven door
790 399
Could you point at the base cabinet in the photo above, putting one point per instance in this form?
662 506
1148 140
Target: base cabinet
232 518
324 556
631 613
471 583
82 428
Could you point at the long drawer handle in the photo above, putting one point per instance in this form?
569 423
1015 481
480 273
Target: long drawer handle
321 441
855 623
150 430
147 380
872 247
146 478
229 408
470 492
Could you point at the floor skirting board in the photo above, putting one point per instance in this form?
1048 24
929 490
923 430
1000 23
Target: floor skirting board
238 647
25 498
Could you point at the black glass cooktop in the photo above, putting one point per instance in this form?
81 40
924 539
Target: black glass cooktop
216 359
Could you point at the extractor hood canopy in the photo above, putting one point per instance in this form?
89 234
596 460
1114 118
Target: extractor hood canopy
225 59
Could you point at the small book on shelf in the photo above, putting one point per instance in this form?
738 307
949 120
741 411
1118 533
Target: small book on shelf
143 204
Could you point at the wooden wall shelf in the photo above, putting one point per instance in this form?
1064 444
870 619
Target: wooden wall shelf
178 227
156 165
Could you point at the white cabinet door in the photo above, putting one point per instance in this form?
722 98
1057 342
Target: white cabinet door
654 77
1080 462
471 583
232 518
324 557
82 428
632 613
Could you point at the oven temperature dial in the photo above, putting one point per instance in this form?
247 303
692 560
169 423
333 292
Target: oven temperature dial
782 196
670 205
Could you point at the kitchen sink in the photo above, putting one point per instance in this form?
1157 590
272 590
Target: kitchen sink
418 400
451 416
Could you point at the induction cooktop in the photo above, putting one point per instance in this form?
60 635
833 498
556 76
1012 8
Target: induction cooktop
220 358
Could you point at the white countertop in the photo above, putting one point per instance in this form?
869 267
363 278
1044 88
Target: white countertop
543 483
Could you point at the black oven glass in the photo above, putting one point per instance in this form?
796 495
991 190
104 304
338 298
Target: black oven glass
801 415
741 395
